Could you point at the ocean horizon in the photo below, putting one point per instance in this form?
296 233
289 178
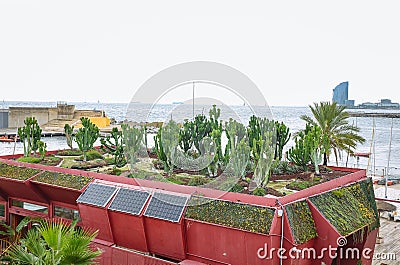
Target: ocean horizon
290 115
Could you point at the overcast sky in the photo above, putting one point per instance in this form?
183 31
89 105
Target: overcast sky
295 51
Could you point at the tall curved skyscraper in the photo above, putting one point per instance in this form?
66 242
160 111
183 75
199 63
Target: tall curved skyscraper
341 93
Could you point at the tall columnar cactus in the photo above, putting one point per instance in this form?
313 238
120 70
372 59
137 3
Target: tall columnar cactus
158 147
30 135
114 145
169 142
68 130
254 134
266 145
239 150
316 140
42 146
132 143
282 138
216 136
202 128
239 158
86 136
300 153
186 135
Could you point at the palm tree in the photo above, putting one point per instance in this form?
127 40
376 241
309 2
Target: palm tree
333 121
53 243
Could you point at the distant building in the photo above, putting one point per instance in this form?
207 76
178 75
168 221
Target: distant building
3 118
383 104
341 93
349 103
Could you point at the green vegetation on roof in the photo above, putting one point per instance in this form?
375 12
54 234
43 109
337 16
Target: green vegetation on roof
64 180
15 172
349 208
301 221
247 217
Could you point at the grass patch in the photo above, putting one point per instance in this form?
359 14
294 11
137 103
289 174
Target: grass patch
15 172
64 180
349 208
238 215
301 221
69 152
301 185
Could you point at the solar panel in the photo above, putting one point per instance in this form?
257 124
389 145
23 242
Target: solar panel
166 206
96 194
129 201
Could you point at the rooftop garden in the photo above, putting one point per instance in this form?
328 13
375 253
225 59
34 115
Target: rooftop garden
16 172
237 215
349 208
301 221
247 158
64 180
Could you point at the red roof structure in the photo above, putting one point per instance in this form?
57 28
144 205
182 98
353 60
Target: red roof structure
149 222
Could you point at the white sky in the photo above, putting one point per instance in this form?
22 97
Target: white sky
295 51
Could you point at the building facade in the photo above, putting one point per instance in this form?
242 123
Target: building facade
341 93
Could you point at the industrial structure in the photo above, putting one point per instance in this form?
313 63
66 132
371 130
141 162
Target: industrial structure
51 118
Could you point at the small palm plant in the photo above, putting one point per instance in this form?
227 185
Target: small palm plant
53 243
335 127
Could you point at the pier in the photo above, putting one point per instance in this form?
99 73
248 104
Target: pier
374 114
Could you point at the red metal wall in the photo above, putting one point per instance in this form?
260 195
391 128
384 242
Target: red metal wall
165 238
97 219
128 230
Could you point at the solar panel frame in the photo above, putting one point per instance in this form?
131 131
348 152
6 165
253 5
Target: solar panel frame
160 199
91 188
113 207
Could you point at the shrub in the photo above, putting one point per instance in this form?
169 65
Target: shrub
259 192
72 152
29 159
237 188
92 155
197 181
300 185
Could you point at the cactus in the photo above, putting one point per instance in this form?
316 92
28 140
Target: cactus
170 142
239 150
30 135
186 136
216 136
315 139
266 146
239 158
300 153
158 147
253 133
132 142
202 128
282 138
68 130
42 146
114 145
86 136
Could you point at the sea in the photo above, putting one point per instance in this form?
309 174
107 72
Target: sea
382 134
